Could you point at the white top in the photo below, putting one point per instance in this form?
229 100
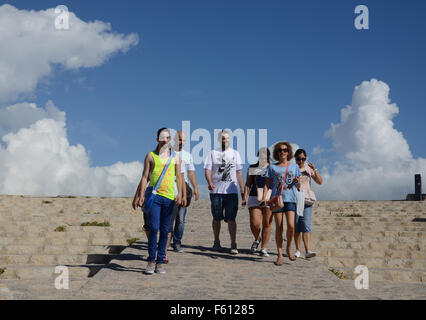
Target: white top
223 166
187 163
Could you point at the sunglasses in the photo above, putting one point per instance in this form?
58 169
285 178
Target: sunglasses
283 150
300 159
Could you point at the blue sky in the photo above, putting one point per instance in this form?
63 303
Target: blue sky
289 67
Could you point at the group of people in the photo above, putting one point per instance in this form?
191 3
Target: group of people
271 190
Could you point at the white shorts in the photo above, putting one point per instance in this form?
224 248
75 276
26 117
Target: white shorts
252 202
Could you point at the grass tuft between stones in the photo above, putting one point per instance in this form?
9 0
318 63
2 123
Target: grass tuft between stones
61 229
96 224
337 273
132 241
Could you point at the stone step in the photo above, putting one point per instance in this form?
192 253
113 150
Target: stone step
383 254
31 272
40 259
408 244
60 250
72 233
33 227
342 262
63 238
357 235
370 227
387 274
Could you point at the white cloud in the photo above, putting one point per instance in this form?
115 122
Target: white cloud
35 155
22 115
375 159
38 160
31 45
317 151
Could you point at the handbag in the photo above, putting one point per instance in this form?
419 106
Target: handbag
260 192
151 192
310 197
188 194
276 203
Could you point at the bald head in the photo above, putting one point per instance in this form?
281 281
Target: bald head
180 139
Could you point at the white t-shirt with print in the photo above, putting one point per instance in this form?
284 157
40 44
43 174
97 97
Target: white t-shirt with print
223 166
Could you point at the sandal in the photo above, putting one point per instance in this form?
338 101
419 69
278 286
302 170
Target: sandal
279 262
291 256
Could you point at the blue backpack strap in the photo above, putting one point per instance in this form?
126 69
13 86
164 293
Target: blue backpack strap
166 167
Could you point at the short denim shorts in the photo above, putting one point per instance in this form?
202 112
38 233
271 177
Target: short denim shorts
224 202
288 206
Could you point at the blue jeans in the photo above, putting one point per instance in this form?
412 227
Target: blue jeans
179 214
159 220
303 224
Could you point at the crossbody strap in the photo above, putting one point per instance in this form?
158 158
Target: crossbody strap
284 178
172 154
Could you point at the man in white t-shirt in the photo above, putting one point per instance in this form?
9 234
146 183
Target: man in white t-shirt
223 170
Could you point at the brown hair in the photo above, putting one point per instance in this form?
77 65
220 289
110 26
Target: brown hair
277 147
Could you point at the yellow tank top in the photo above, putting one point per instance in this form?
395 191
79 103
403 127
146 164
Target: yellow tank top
167 187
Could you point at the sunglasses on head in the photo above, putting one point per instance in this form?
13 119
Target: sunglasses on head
300 159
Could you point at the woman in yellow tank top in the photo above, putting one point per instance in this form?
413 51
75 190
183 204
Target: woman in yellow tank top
162 210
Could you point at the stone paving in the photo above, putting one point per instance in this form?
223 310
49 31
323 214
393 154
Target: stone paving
201 273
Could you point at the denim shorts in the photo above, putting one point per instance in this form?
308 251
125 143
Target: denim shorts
224 202
303 224
288 206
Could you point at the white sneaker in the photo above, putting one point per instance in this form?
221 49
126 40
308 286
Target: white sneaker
264 253
310 254
297 254
150 268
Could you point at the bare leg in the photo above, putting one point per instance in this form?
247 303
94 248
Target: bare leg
255 221
298 240
266 226
307 240
279 236
232 228
216 229
290 232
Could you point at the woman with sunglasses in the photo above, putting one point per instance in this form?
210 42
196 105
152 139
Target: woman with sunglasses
303 224
274 180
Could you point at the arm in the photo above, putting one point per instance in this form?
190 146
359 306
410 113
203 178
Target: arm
317 177
208 176
191 176
136 197
147 165
178 175
247 188
240 181
184 194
